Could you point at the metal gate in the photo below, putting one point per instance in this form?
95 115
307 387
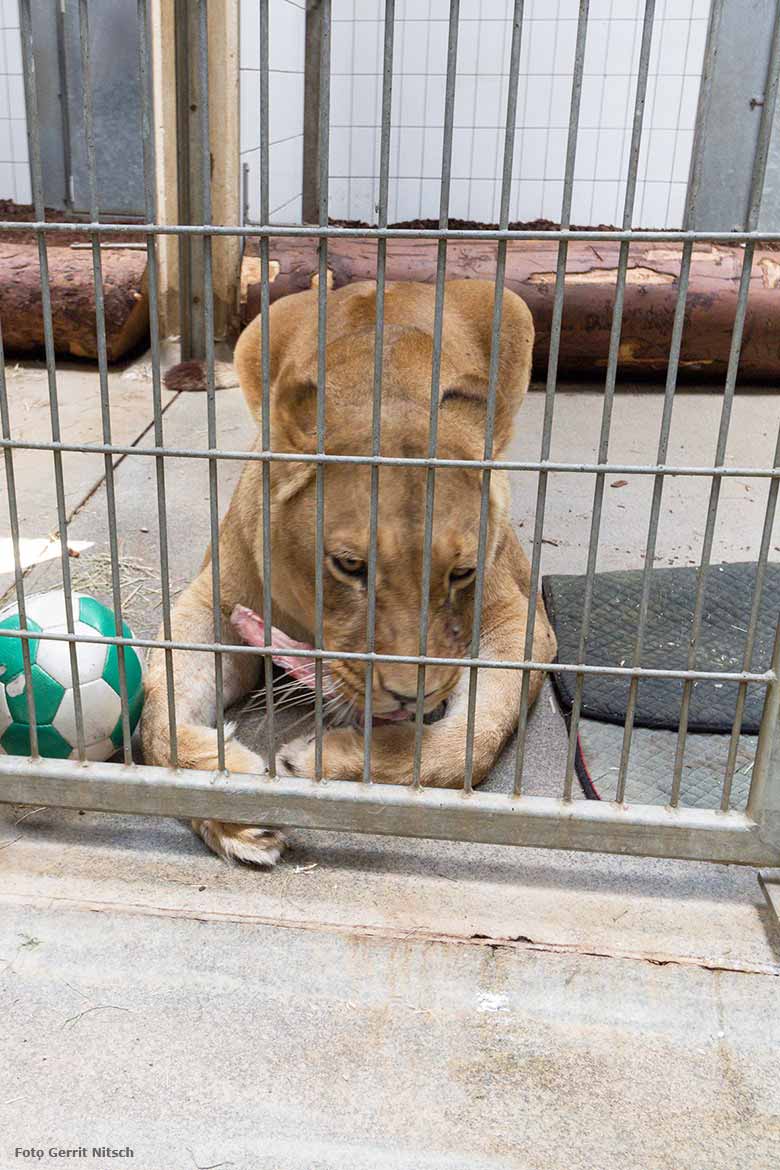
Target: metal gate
718 834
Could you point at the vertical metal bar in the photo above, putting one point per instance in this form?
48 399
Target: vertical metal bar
265 374
754 206
552 379
244 199
188 347
712 510
752 627
152 276
311 112
612 371
703 110
655 512
433 421
376 412
64 96
765 780
490 414
663 438
190 100
611 379
36 175
729 123
666 418
211 406
13 517
322 324
100 331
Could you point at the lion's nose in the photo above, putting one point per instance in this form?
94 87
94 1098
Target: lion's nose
404 699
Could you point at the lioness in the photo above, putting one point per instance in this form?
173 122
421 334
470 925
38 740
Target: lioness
408 356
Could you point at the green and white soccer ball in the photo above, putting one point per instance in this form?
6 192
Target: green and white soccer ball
53 691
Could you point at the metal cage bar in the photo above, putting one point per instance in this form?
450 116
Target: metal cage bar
756 192
652 527
152 271
552 379
433 417
675 348
265 375
36 177
105 403
752 626
531 821
376 403
409 659
13 517
763 802
211 404
722 471
611 381
335 232
322 341
490 411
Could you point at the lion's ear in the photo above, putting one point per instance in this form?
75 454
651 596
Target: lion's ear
468 326
291 335
294 416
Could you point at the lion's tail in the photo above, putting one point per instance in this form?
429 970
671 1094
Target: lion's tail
193 375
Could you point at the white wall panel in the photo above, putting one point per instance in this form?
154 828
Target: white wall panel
14 164
418 108
546 66
286 47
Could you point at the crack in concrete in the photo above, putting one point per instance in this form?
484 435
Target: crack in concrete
519 943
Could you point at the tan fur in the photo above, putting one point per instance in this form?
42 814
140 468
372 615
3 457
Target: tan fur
408 350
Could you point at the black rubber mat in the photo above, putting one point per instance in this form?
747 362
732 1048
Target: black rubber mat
613 628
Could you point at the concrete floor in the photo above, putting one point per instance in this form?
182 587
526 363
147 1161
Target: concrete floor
380 1002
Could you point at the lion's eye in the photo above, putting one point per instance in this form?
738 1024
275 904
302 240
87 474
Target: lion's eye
462 575
350 566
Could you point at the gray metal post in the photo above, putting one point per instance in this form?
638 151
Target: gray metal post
770 205
729 117
190 187
764 801
311 112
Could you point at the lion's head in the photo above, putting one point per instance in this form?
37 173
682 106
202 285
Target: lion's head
405 418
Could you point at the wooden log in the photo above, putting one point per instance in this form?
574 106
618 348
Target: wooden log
650 298
72 299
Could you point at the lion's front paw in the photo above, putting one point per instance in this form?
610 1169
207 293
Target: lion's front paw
342 756
249 844
296 758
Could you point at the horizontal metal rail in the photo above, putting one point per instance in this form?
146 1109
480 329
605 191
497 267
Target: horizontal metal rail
456 235
742 676
494 818
395 461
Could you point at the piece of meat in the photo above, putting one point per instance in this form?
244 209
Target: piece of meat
251 627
